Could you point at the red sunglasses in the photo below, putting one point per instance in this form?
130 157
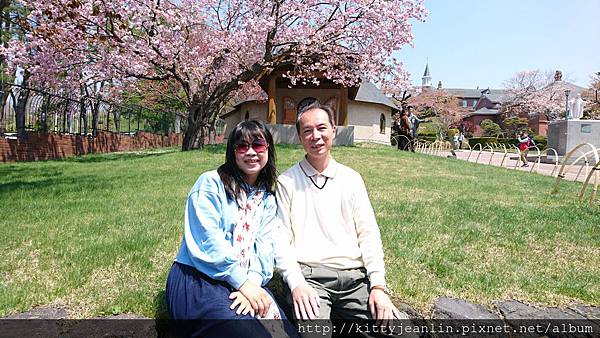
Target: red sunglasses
259 146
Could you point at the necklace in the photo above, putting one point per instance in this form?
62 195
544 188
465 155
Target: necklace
313 181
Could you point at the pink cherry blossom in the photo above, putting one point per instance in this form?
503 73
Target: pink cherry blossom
213 48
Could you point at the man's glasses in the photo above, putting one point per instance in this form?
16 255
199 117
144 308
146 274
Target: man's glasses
259 146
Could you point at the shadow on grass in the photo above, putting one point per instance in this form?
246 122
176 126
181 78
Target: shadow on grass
52 181
17 171
214 148
96 158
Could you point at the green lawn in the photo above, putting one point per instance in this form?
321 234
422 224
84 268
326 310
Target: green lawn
97 234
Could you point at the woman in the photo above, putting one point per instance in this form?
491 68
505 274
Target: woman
226 256
403 128
525 142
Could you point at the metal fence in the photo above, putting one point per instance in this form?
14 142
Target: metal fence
30 109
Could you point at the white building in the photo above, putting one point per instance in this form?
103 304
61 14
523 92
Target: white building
364 113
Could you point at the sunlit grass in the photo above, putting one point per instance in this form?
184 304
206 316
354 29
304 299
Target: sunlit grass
97 234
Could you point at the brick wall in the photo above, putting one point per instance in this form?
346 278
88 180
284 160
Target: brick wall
43 146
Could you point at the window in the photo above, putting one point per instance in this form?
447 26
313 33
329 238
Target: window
474 103
464 103
382 124
220 127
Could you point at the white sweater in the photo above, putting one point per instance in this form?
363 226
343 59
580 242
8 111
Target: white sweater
333 227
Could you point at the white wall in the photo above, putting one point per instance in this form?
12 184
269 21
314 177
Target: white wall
255 111
298 94
362 115
365 119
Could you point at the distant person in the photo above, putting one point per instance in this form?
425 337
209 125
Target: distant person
414 122
226 255
456 141
461 138
403 128
525 142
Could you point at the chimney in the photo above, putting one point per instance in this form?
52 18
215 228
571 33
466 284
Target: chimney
557 76
439 85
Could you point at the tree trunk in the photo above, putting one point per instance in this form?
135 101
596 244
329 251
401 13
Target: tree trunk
189 138
20 106
117 119
95 118
193 137
44 114
84 116
3 99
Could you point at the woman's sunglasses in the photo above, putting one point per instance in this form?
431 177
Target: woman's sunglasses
259 146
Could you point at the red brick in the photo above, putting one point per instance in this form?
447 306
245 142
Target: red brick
39 146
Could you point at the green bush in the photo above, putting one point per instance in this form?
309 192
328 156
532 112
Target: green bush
426 133
512 125
427 138
540 141
490 128
452 132
507 141
483 140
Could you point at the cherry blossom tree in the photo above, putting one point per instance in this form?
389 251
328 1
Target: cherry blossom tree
213 48
442 105
592 109
534 92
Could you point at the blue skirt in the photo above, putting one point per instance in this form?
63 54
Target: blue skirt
199 307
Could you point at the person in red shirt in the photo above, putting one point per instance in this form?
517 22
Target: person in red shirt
525 142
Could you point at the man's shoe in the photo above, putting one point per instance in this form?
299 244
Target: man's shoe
525 165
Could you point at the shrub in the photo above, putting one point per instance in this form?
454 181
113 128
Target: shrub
425 133
483 140
427 138
507 141
490 128
541 141
512 125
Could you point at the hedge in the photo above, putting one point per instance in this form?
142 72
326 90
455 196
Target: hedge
540 141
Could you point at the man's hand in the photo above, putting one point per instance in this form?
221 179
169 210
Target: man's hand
382 309
244 305
257 297
306 302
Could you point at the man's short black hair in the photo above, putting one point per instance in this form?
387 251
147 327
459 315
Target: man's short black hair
309 103
304 103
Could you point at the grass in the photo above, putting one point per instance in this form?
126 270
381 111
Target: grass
97 234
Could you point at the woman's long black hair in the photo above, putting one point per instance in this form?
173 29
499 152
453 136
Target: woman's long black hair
230 173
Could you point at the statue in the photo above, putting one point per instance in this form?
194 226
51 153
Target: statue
558 76
576 108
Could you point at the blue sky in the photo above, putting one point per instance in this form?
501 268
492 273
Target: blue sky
483 43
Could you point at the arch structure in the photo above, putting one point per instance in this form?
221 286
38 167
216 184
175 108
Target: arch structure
595 171
472 149
539 156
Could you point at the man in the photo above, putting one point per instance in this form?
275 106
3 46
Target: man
330 253
414 124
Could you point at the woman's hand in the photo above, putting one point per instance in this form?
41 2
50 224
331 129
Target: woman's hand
244 305
257 297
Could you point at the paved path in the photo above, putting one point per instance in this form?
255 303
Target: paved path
573 173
